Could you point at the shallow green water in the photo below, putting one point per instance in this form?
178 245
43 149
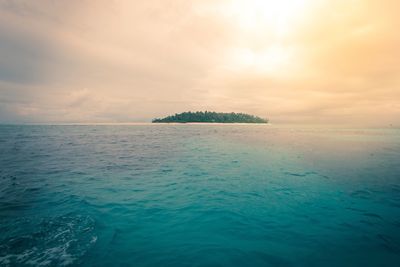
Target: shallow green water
199 195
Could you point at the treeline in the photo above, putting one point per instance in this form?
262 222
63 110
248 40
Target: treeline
207 116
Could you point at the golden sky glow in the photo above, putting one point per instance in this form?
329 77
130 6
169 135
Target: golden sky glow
293 61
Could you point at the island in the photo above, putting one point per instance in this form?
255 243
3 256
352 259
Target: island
211 117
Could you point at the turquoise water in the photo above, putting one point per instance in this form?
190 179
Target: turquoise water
199 195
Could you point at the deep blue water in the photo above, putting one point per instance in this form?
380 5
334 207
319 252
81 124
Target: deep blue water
199 195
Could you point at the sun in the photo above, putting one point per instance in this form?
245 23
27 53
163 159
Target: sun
273 20
278 15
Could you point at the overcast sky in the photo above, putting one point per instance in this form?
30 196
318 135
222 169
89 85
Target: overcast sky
292 61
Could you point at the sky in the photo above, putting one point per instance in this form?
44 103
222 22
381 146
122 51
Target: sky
291 61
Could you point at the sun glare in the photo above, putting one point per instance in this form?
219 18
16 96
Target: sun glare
273 18
270 60
278 15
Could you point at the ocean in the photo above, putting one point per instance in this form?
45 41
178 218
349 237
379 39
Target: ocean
199 195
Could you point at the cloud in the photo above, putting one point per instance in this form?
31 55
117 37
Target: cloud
134 60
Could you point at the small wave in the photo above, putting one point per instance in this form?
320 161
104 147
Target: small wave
60 241
372 215
298 174
363 194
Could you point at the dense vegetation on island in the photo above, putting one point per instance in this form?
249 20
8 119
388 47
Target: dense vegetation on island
208 116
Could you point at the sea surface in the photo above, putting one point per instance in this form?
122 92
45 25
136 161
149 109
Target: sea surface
199 195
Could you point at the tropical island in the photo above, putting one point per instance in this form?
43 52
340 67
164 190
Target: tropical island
211 117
